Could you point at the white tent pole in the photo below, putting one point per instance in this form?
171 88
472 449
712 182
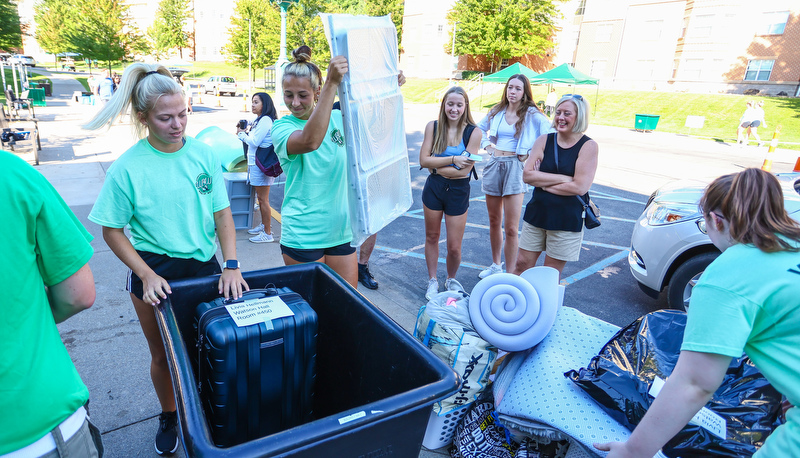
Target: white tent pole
596 95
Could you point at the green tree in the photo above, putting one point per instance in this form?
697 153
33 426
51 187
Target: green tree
167 32
50 16
501 29
378 8
266 33
10 30
304 27
101 30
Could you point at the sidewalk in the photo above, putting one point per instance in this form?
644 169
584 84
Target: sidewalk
106 342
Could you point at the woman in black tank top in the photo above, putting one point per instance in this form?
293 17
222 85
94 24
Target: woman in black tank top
553 219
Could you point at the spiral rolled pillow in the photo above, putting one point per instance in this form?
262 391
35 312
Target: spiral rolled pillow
515 313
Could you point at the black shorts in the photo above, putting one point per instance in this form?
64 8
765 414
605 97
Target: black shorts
747 124
170 268
448 195
301 255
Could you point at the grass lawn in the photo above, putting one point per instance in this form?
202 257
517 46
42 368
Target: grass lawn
37 77
619 108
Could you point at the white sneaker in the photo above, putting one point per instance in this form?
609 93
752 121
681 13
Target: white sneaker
433 288
256 230
262 237
493 269
451 284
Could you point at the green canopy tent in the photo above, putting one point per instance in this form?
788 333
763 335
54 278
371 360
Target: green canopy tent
503 75
567 74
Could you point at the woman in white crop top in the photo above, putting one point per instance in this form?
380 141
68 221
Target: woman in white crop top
509 131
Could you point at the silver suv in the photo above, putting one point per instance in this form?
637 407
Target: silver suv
220 85
669 246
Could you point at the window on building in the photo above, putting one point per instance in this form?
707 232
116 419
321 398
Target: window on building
652 30
644 68
603 33
441 29
581 8
691 69
504 63
701 25
774 23
758 70
598 69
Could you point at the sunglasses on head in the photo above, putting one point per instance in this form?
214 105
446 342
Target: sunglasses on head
574 96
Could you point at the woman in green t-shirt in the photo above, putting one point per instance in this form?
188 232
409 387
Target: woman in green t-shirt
747 301
310 145
169 190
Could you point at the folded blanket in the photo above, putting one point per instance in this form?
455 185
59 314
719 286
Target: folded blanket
539 401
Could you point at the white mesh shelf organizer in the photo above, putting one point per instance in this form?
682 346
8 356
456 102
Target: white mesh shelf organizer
372 105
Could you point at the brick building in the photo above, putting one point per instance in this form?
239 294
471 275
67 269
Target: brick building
729 46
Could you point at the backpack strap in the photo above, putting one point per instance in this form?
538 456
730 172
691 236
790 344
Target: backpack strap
467 134
465 138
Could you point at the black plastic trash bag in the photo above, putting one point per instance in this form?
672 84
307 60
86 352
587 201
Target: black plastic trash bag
619 379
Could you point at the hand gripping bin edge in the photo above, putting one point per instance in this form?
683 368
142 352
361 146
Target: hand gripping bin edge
375 383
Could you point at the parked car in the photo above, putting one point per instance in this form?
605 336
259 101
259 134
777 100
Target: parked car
669 245
220 85
4 56
22 60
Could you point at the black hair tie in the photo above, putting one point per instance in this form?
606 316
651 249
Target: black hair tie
151 73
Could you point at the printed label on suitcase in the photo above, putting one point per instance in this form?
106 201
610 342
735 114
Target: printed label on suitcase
256 311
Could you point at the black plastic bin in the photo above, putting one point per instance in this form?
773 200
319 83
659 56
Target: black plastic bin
375 383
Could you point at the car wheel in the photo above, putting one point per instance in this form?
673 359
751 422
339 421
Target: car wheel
679 291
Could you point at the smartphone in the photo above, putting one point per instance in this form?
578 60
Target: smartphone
243 124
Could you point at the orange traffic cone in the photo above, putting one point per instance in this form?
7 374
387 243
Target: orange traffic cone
797 165
767 165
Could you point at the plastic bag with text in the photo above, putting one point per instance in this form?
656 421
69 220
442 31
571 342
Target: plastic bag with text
745 407
481 435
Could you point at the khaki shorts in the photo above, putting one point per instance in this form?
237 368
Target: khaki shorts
561 245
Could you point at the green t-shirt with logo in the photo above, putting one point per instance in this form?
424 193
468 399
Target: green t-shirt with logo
43 243
315 210
167 199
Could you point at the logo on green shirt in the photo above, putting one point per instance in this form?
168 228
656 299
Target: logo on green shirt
203 183
337 137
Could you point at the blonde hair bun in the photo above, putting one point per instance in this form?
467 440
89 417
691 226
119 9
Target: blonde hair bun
302 54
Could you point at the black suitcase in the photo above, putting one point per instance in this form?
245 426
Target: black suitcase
258 379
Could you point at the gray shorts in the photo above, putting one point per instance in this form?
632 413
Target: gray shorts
257 177
502 176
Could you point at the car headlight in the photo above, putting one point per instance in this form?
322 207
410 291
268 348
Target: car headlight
660 213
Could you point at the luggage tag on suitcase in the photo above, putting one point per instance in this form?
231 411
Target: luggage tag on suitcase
246 312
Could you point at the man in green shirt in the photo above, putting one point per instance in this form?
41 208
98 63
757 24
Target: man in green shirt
44 254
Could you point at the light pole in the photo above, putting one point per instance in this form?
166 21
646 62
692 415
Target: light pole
249 56
453 53
282 60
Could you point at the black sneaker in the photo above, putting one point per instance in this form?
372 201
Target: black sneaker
167 434
366 278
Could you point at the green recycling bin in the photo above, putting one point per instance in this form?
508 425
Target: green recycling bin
646 122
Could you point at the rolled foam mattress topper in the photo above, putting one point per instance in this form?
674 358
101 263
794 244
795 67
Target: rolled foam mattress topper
515 313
